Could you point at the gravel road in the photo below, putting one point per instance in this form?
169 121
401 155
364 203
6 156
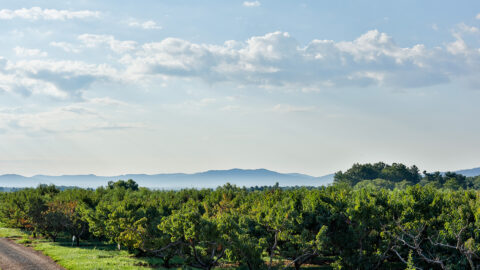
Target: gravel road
17 257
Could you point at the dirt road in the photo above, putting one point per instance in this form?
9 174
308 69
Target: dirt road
17 257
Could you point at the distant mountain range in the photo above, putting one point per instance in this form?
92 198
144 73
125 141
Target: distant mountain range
470 172
208 179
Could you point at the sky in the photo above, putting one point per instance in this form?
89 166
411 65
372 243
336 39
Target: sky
113 87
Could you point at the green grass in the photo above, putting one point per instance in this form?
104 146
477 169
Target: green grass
93 257
90 255
11 233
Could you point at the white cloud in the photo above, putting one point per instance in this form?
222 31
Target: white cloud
286 108
278 60
107 101
251 4
24 52
59 79
467 28
68 47
231 108
95 41
74 68
145 25
273 61
199 103
66 119
192 105
37 13
92 41
478 16
458 46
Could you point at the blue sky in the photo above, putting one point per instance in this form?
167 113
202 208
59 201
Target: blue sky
112 87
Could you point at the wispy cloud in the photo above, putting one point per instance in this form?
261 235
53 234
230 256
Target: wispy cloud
251 4
231 108
68 47
91 41
95 41
145 25
37 13
65 119
107 101
287 108
21 51
467 28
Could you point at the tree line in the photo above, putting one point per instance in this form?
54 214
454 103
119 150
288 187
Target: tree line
374 216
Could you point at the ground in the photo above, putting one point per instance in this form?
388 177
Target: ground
16 256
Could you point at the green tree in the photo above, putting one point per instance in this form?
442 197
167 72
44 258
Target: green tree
200 238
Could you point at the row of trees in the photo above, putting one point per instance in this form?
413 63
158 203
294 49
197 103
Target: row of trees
345 227
398 175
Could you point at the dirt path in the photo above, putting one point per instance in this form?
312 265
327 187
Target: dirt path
17 257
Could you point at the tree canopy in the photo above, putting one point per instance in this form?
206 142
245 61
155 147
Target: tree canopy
374 216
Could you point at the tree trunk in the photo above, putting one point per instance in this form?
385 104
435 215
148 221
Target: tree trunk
272 251
297 265
78 241
166 262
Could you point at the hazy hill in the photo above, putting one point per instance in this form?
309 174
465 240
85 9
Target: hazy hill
208 179
470 172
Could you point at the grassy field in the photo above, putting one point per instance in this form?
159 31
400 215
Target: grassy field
89 255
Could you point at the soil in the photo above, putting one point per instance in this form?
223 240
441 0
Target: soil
18 257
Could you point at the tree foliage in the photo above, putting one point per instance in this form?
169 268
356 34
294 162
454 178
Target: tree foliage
375 216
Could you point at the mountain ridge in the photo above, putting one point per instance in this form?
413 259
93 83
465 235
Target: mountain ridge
470 172
206 179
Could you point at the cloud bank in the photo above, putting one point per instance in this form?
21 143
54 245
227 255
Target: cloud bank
278 60
275 60
37 13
